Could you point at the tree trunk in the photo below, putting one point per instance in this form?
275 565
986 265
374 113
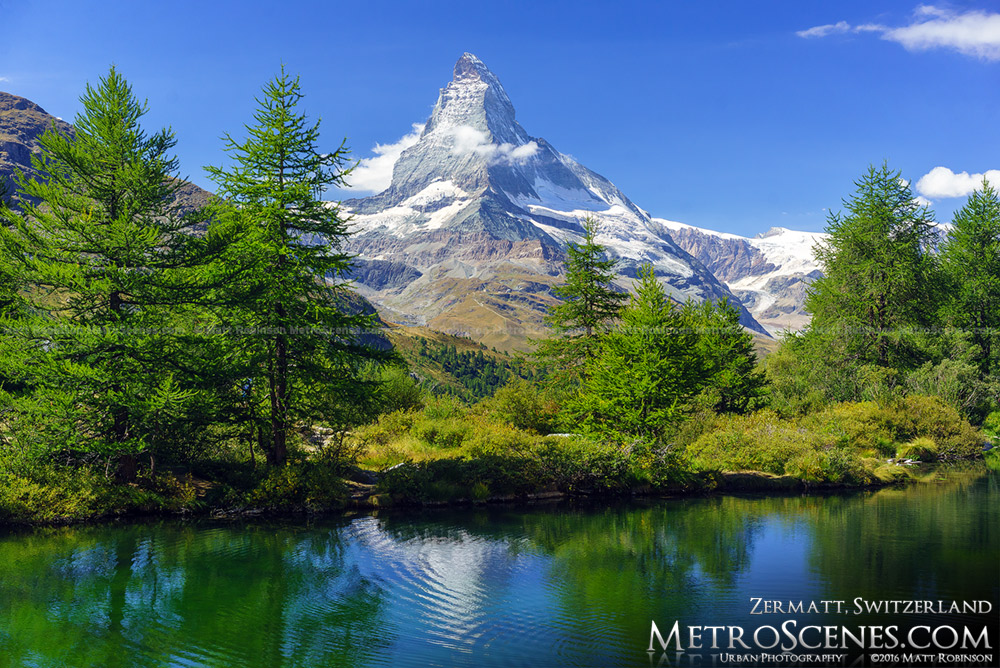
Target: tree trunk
127 468
264 443
279 398
127 465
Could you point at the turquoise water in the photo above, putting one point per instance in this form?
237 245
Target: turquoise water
562 585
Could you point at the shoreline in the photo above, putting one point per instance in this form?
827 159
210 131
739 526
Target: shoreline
735 483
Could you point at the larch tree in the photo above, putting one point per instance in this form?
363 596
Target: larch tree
879 271
589 305
735 384
294 335
970 257
645 370
101 248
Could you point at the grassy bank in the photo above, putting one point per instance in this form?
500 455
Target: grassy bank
449 452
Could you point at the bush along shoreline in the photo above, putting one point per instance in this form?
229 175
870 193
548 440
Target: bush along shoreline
448 453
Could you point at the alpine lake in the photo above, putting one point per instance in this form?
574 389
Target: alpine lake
562 584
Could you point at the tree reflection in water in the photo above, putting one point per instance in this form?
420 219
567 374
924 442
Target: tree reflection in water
564 585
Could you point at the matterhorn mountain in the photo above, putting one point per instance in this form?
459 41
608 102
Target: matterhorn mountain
470 235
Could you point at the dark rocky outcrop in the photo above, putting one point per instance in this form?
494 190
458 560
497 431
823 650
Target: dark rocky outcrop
728 258
383 274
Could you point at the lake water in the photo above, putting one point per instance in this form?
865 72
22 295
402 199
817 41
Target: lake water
560 585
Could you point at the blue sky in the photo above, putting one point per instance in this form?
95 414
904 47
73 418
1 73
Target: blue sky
735 116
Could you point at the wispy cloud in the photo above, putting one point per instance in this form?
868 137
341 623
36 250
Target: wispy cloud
823 31
468 139
4 79
375 174
974 33
941 182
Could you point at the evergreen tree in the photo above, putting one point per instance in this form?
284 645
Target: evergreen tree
11 274
970 258
589 304
646 369
299 348
879 272
735 384
103 253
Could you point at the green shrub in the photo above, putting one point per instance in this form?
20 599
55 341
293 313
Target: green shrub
991 425
760 441
399 391
690 430
314 483
520 404
493 439
917 416
440 433
922 448
877 383
958 383
454 478
480 491
443 407
992 458
869 426
861 426
46 492
830 464
765 442
387 427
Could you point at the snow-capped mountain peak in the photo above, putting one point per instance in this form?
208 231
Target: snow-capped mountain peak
475 99
479 200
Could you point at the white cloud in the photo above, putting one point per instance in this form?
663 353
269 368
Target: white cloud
468 139
870 27
375 174
823 31
973 33
922 201
941 182
4 79
519 153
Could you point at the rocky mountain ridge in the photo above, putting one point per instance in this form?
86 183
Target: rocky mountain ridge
769 273
22 122
469 237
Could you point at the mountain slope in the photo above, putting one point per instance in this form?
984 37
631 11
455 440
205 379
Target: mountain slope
769 273
22 122
470 235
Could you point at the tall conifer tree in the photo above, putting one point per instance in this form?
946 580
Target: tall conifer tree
735 384
879 272
645 369
102 248
971 260
295 336
589 304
